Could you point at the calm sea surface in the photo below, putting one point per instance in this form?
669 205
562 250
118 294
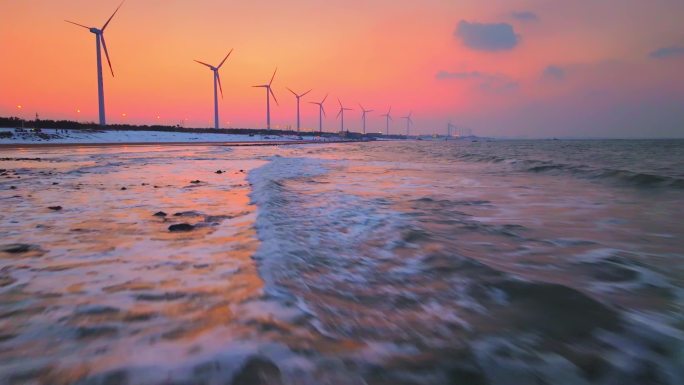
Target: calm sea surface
503 262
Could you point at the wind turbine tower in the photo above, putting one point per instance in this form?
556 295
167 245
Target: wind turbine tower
217 84
298 99
341 113
388 117
321 112
409 121
99 45
364 112
269 93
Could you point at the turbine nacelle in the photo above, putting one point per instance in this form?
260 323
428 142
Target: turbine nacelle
269 94
216 69
298 96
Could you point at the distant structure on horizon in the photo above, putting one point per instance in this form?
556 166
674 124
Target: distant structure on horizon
217 81
449 127
341 114
364 112
269 93
298 99
99 45
409 121
388 117
321 112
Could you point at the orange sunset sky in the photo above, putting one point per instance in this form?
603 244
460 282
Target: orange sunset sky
527 68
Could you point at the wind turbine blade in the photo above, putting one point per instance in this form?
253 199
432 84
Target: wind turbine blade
225 58
218 77
203 63
338 100
273 77
339 113
362 109
272 94
293 93
80 25
304 94
325 98
104 45
323 109
111 17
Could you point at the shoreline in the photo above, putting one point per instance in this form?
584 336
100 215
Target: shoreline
13 146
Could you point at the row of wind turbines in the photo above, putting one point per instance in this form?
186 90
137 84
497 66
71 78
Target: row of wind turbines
101 45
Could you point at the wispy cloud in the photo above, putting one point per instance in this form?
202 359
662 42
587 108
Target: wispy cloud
667 52
485 81
487 36
526 16
553 72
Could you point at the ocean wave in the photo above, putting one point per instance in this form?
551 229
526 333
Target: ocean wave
633 178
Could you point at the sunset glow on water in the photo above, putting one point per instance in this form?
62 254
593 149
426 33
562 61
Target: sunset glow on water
341 192
351 263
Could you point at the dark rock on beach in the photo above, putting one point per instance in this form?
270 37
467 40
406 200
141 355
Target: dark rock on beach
6 279
96 310
55 208
188 214
95 332
219 172
557 311
258 371
160 214
196 181
170 296
17 248
181 227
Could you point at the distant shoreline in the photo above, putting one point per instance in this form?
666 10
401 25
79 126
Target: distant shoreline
12 146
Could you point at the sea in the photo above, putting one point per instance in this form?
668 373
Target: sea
470 262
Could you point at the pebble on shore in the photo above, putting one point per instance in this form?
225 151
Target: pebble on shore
181 227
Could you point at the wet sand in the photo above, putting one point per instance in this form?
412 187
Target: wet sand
94 277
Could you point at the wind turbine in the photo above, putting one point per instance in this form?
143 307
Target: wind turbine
321 112
269 93
409 121
298 98
388 116
363 117
100 41
217 81
341 113
449 127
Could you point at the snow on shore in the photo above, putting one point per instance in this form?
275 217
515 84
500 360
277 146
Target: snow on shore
87 137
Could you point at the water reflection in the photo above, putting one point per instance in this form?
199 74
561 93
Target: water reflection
341 264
